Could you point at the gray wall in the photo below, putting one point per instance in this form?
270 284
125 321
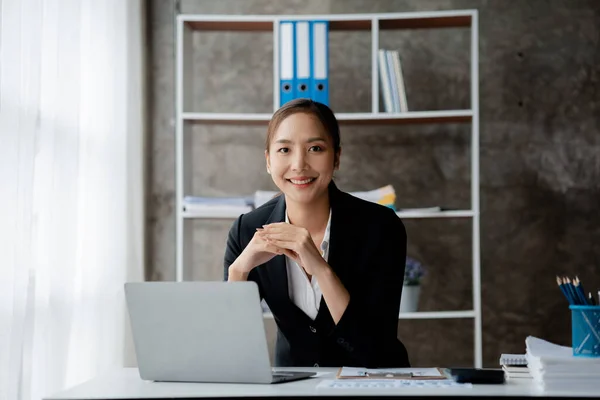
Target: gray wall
540 153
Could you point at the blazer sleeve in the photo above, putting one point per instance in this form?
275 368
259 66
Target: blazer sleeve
234 248
368 328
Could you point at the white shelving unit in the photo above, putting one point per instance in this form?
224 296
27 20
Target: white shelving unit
187 24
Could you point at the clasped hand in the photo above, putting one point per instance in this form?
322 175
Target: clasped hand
296 243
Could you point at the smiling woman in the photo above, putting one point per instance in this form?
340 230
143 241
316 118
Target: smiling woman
303 150
329 265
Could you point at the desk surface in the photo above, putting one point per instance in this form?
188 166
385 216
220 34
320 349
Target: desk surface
126 384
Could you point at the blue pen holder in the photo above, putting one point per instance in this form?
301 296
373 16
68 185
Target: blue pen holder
585 325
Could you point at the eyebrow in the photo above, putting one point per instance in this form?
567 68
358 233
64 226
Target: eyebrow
311 140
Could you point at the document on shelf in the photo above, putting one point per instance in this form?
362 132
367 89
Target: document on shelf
383 384
390 373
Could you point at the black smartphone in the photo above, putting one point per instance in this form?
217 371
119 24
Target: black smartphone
476 375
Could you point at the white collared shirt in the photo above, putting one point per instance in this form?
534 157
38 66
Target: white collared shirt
305 294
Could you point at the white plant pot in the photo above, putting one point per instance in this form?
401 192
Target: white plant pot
410 299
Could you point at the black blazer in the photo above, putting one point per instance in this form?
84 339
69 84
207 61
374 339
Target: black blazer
367 251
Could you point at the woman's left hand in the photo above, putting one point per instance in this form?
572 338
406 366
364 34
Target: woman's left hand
297 244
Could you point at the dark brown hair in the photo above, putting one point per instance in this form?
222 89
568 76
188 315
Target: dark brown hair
307 106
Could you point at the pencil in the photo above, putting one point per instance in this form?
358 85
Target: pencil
591 300
571 286
563 289
571 290
579 291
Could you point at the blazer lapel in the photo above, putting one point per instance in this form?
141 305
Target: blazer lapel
336 259
339 217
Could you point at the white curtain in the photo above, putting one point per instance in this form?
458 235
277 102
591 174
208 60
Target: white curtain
71 181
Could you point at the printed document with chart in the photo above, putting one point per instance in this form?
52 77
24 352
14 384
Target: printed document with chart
390 373
389 378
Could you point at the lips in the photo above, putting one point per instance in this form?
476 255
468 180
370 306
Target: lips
303 180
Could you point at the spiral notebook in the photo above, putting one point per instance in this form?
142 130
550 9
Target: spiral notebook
513 359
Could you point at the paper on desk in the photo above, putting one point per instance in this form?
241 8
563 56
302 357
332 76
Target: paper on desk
388 384
352 372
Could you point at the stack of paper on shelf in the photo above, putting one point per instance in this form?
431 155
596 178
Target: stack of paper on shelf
263 196
554 367
515 366
385 196
217 205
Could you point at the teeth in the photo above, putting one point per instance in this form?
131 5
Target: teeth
295 182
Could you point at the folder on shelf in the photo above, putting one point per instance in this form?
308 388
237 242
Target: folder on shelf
384 79
393 81
287 90
302 59
319 62
400 89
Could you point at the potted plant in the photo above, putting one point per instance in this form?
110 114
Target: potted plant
413 273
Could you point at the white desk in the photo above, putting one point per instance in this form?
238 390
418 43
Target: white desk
126 384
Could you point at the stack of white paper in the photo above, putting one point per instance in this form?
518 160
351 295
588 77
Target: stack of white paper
215 206
263 196
554 367
516 372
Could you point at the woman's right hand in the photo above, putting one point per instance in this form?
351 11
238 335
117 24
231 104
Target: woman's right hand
257 252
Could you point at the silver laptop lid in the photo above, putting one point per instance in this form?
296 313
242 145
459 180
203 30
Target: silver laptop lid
199 331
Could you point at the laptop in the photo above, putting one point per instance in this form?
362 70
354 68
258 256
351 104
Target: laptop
201 332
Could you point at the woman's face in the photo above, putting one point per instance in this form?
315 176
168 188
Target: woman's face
301 158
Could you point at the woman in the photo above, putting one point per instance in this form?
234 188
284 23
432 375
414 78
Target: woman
329 265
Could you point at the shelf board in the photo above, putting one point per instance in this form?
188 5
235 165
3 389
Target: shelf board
231 26
411 117
438 314
437 214
267 26
232 214
337 22
421 315
228 118
458 21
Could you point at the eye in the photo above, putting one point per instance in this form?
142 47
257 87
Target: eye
283 150
316 148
